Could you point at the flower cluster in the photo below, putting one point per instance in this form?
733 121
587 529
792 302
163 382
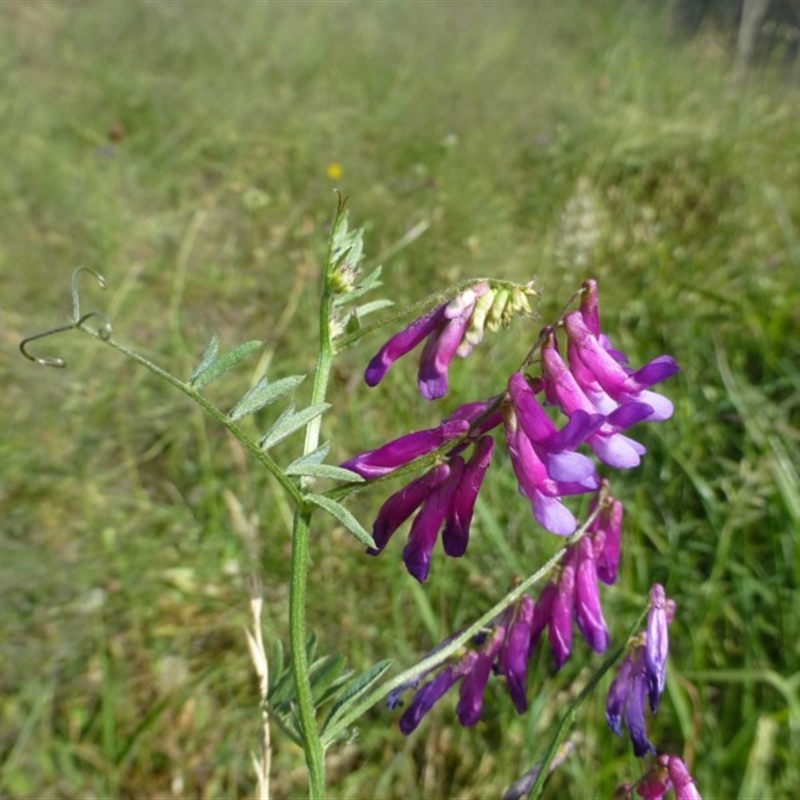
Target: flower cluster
595 390
506 648
586 399
451 329
642 675
444 497
503 649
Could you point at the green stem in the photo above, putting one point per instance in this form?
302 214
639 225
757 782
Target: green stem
312 744
324 363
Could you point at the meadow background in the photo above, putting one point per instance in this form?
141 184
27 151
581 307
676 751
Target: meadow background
189 152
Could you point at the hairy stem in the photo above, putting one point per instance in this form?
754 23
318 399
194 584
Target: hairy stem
312 744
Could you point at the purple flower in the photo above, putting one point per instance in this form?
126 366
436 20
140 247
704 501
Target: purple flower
542 457
657 645
472 669
513 660
444 328
401 505
573 595
610 446
504 649
402 451
431 692
588 611
605 532
473 684
605 381
626 701
542 611
560 625
436 508
641 675
445 496
455 536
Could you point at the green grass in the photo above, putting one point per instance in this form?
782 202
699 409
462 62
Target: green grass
556 140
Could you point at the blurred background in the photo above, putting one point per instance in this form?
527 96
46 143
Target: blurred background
190 152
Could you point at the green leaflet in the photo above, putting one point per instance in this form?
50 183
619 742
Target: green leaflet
326 676
209 357
353 690
314 457
344 516
291 421
211 367
323 471
264 393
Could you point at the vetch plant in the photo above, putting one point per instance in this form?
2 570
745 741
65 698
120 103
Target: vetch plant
563 415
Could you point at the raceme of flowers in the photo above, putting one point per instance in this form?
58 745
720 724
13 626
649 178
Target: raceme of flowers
595 390
594 398
507 645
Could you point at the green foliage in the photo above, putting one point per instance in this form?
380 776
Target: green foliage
556 140
338 511
291 421
212 367
264 393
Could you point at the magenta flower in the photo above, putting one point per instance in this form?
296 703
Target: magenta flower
545 464
668 773
402 451
444 328
605 531
445 496
608 443
606 382
682 780
553 447
655 783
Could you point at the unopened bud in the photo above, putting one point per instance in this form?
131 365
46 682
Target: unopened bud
497 312
477 321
